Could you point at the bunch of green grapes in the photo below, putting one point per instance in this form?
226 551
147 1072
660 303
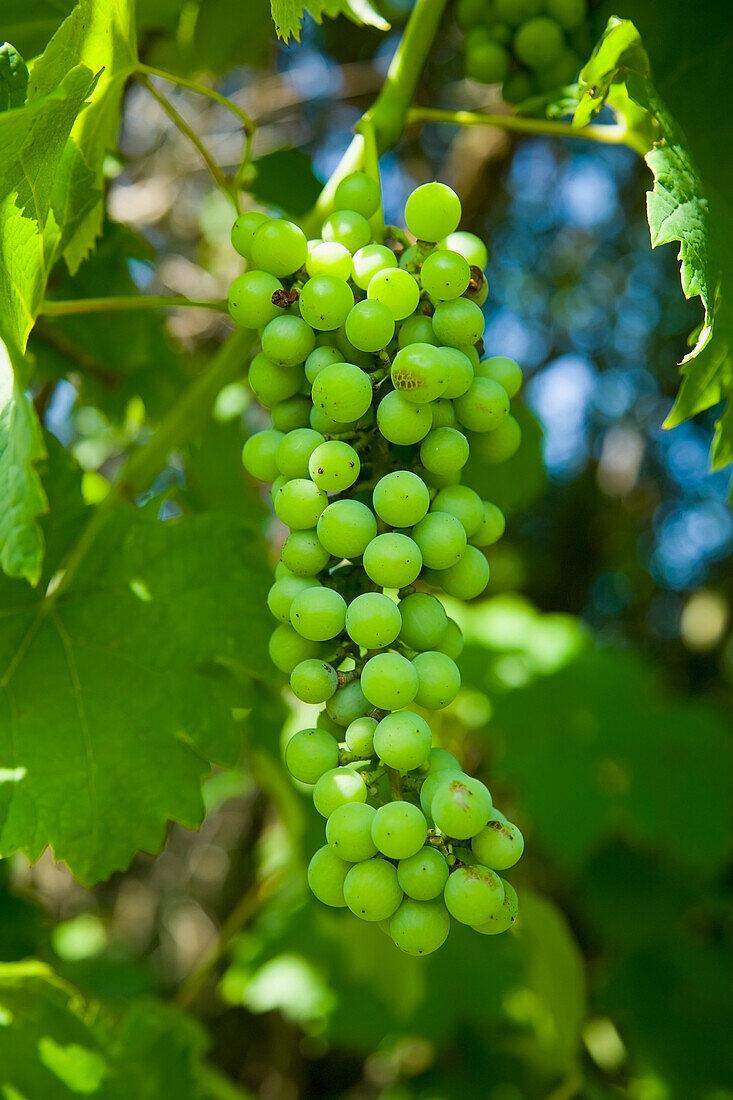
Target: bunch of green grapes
370 367
527 46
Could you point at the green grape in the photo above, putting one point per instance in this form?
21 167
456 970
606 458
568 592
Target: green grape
244 229
350 354
443 414
392 560
287 648
299 503
432 211
295 450
445 274
471 354
483 406
515 12
417 329
444 450
284 591
326 876
314 682
334 466
389 681
369 260
402 740
473 894
461 806
325 301
440 760
343 391
452 642
396 289
419 373
502 370
504 917
501 32
319 358
318 613
271 383
420 927
348 704
329 258
492 526
360 737
370 326
348 228
459 374
486 60
539 42
279 246
499 845
438 679
500 444
303 554
441 481
401 498
281 570
336 788
423 875
346 528
349 832
287 341
463 503
319 422
467 578
441 539
292 413
468 245
458 322
430 786
517 87
568 13
358 192
562 71
311 753
250 299
469 13
399 830
371 889
401 421
258 454
424 621
373 620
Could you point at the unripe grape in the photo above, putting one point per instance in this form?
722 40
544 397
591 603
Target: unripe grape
337 787
473 894
358 192
419 373
303 554
373 620
402 741
432 211
486 60
468 577
458 322
539 42
299 503
369 260
452 642
346 528
424 621
259 454
348 704
334 465
244 229
349 832
318 613
396 289
279 246
319 358
343 391
492 526
501 443
360 737
314 682
441 539
499 845
311 753
483 406
329 258
401 421
283 592
568 13
518 86
420 927
417 329
370 325
348 228
439 680
443 414
401 498
325 302
292 413
468 245
503 370
392 560
460 372
371 889
294 451
287 341
423 875
503 918
287 648
463 503
389 681
444 450
399 829
461 806
250 299
445 274
326 876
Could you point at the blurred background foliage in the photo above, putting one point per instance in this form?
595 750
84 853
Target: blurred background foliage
597 677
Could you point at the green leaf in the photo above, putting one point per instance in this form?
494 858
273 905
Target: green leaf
101 35
22 499
136 658
30 25
631 757
285 178
13 78
55 1044
287 15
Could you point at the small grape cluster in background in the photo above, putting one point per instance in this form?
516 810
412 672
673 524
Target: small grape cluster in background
528 46
370 367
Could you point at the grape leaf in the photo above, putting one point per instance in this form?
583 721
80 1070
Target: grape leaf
287 15
13 78
55 1044
136 660
684 207
101 35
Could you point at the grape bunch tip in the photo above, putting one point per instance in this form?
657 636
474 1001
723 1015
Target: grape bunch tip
370 368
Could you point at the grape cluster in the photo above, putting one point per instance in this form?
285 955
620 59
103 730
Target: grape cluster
370 367
527 46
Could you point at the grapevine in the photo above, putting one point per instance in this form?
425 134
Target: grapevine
370 365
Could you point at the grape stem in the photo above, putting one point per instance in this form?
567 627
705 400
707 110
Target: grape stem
616 134
57 308
395 784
